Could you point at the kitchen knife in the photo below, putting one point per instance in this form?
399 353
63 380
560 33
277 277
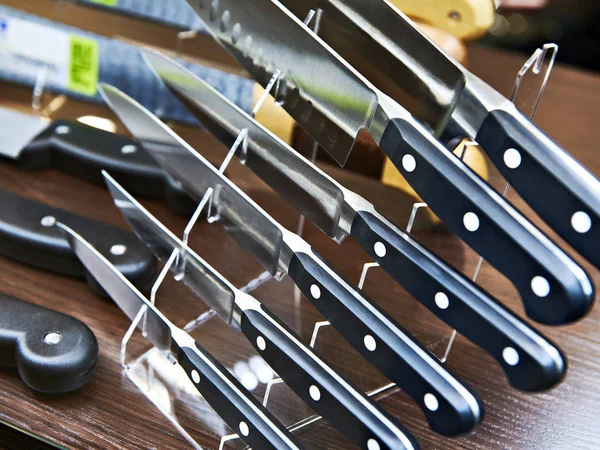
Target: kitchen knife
449 406
54 353
235 405
27 235
83 151
387 47
343 406
336 106
339 212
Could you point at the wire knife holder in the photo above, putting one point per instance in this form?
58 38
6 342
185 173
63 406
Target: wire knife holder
538 67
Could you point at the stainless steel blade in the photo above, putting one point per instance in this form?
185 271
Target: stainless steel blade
322 92
243 219
123 293
17 130
390 50
199 276
312 192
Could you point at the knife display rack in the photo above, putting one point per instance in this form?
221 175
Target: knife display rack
165 384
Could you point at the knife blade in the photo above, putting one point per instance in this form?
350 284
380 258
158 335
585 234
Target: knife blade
335 107
54 353
329 394
339 212
83 151
448 97
235 405
27 235
449 406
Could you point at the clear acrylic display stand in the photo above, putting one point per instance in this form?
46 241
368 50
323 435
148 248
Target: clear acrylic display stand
165 384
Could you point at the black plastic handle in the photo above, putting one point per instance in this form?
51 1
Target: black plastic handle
54 353
449 406
554 184
554 289
28 235
351 412
531 362
85 151
235 405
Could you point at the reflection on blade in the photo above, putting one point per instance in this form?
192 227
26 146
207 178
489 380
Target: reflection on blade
123 293
243 219
17 130
208 284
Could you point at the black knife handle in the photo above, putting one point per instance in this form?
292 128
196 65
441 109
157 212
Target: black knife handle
531 362
554 289
554 184
54 353
24 238
449 406
351 412
235 405
84 151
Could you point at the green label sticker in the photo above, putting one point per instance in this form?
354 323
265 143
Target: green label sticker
84 67
105 2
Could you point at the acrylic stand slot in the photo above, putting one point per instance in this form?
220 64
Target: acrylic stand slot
148 380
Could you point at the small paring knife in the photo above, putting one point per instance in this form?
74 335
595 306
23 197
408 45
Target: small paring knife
333 102
236 406
449 406
28 235
382 43
83 151
54 353
353 413
531 362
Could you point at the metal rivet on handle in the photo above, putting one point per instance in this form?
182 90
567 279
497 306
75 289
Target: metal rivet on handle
315 393
441 300
128 149
380 249
512 158
62 129
471 221
581 222
315 291
118 250
510 356
372 444
244 429
53 338
431 402
195 376
261 343
540 286
48 221
409 163
370 343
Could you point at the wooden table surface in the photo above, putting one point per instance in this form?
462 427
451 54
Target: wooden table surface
111 413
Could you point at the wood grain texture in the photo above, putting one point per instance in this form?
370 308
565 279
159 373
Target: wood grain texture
111 413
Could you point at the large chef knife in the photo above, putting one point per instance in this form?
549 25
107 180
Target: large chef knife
341 404
389 49
27 235
449 406
334 103
54 353
236 406
84 151
339 212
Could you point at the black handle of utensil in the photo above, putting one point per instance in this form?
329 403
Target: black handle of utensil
84 151
28 235
554 184
531 362
53 352
554 289
235 405
351 412
449 406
